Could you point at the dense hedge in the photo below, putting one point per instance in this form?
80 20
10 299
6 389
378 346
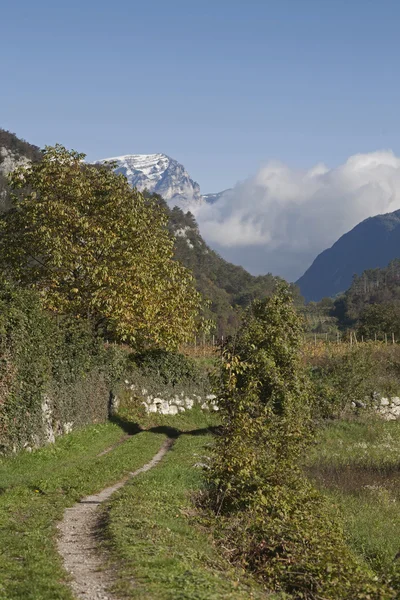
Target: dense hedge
54 375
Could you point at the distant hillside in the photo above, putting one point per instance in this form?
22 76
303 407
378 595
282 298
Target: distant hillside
13 152
371 244
372 302
229 287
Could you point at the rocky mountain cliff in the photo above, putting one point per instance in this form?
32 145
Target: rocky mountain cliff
13 152
371 244
162 175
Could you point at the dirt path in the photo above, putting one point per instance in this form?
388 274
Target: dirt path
77 540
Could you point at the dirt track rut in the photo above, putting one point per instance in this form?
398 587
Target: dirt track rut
77 542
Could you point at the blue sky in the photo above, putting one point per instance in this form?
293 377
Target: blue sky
223 85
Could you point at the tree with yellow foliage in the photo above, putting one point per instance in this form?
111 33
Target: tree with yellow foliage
97 249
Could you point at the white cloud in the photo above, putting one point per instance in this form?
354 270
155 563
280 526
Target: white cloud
281 218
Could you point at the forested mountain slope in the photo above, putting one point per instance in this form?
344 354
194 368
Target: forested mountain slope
230 288
372 302
373 243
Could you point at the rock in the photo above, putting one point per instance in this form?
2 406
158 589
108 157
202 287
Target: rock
152 408
211 397
173 409
395 410
396 400
164 408
205 406
181 408
389 417
113 404
189 403
67 427
360 404
385 402
47 420
215 407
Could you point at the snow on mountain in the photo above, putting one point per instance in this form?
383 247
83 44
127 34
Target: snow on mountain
160 174
212 198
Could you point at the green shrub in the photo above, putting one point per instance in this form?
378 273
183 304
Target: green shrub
353 375
171 368
62 364
269 516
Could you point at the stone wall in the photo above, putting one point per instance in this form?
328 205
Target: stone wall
386 407
169 403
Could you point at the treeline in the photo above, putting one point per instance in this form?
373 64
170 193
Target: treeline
370 307
372 303
17 146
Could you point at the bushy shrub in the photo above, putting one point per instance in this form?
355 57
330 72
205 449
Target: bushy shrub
171 368
344 375
62 364
269 516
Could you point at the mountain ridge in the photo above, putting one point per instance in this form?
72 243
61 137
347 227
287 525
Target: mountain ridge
373 243
159 174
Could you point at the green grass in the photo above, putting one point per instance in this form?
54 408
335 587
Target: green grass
158 548
151 522
36 488
357 465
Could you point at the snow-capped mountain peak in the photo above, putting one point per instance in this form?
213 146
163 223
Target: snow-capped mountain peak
161 174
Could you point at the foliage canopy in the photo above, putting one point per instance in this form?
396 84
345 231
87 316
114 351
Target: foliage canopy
95 248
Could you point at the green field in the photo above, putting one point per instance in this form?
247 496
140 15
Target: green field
357 466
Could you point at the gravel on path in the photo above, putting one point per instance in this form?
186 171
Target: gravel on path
77 542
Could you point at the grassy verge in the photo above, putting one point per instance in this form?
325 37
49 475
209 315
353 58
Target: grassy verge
158 548
35 490
356 464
